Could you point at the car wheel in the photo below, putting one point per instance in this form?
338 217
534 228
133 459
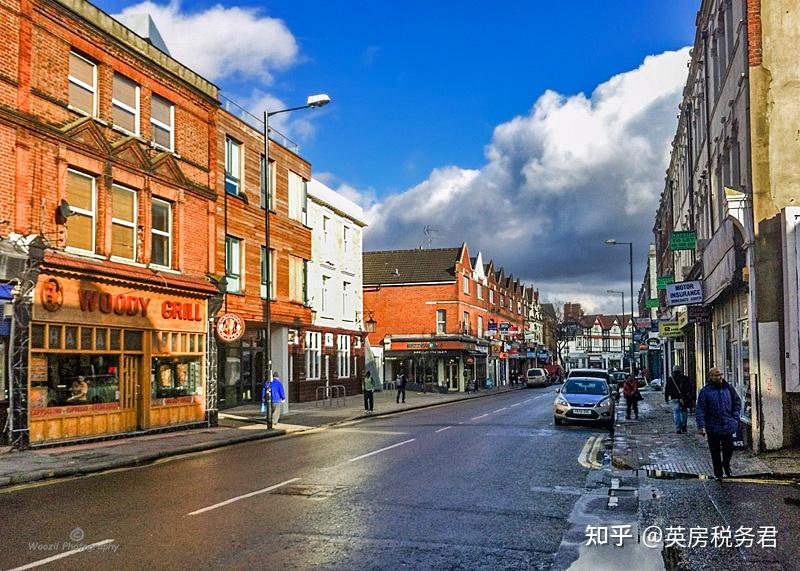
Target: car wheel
557 421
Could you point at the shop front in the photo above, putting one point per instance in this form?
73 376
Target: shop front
443 363
111 356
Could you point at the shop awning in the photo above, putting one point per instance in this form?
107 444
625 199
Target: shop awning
6 292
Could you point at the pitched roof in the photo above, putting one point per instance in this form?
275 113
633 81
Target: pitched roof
549 310
410 266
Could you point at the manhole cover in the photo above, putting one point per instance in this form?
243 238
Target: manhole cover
310 492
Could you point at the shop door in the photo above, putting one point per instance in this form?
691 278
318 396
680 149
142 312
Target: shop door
451 375
133 401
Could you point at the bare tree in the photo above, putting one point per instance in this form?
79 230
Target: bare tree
566 328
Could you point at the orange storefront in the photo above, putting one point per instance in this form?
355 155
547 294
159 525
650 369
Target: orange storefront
112 356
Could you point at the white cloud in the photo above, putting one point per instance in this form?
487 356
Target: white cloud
558 181
223 42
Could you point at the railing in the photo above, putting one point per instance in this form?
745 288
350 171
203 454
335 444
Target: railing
257 123
329 394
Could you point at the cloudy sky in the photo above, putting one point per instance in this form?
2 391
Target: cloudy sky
534 131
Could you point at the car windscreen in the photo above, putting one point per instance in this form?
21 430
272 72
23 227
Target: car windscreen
585 387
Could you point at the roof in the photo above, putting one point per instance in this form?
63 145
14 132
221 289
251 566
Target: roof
410 266
344 206
549 310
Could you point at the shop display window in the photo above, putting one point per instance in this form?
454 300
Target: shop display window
73 379
176 377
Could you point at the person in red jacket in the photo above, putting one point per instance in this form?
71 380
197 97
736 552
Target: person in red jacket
632 397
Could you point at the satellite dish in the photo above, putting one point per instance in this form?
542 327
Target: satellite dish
63 211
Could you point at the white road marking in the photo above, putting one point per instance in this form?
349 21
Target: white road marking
62 555
242 497
583 457
613 501
443 429
365 431
593 455
500 409
515 404
381 450
481 416
526 401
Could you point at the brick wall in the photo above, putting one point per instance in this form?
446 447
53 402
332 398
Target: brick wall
754 55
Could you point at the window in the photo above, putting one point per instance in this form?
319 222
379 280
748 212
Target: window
441 321
124 213
502 302
82 84
297 197
343 355
313 351
347 310
491 296
161 233
465 281
233 166
479 291
265 271
233 264
162 122
324 293
465 324
125 104
263 179
479 331
345 239
325 224
82 200
298 268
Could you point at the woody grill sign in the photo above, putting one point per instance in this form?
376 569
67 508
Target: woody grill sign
90 303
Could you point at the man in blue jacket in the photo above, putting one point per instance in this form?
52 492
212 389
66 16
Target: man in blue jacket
717 414
278 397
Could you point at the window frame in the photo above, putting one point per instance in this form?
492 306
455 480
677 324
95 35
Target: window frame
125 107
312 351
263 182
324 301
233 179
441 321
343 348
159 232
347 303
132 224
465 284
170 128
230 241
90 88
298 206
263 271
83 212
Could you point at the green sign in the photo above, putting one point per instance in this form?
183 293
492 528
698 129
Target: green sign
652 302
661 283
683 240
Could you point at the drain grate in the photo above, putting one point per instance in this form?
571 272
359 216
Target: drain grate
310 492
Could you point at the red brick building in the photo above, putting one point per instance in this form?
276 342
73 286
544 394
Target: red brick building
108 220
444 317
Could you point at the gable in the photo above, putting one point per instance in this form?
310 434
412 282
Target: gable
85 132
164 165
129 150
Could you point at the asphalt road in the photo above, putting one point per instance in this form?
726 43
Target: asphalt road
480 484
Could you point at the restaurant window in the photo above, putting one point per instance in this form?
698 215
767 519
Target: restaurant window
125 104
81 195
74 379
441 321
233 264
313 352
267 271
172 377
233 166
343 355
162 122
161 233
82 84
123 222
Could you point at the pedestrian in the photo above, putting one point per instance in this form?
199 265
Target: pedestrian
369 392
400 383
718 409
278 397
630 388
679 389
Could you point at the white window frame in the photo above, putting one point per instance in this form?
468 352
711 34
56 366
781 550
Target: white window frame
297 197
159 232
343 356
325 222
324 293
126 223
345 238
479 290
170 127
491 296
465 281
313 354
239 266
125 107
83 212
263 271
479 332
233 178
441 321
466 322
91 88
347 304
298 272
263 182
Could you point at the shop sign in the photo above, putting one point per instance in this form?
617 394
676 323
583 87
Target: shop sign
230 327
530 336
492 326
503 355
431 345
661 283
683 240
685 293
699 314
470 360
643 322
654 343
652 302
683 319
504 326
669 329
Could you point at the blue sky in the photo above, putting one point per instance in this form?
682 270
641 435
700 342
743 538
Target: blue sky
434 116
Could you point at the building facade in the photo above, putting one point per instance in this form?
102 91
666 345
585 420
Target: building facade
601 342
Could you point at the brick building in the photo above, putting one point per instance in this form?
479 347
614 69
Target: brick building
446 318
107 227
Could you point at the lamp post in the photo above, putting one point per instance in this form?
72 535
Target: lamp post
312 101
622 293
613 242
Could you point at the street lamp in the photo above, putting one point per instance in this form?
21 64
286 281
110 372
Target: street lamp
319 100
622 293
613 242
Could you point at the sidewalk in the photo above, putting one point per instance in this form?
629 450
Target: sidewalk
651 444
240 424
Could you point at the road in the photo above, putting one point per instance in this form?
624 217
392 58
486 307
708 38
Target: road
479 484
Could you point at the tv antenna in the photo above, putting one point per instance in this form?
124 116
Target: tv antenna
429 231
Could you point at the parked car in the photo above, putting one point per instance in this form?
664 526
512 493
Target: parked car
619 377
585 399
536 378
657 384
596 374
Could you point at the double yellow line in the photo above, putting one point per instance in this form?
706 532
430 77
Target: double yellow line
591 450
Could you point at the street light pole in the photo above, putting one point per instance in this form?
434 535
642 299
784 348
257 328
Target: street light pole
312 101
622 293
613 242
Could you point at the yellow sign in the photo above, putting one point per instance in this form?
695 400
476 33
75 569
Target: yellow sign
683 319
669 329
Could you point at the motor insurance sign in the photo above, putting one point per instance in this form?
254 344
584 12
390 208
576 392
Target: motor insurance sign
684 293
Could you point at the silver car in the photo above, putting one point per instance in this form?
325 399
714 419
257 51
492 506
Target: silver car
585 399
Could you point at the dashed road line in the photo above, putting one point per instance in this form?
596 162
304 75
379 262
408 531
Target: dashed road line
500 410
242 497
445 428
481 416
81 549
515 404
381 450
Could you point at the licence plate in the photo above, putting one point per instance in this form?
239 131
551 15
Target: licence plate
582 412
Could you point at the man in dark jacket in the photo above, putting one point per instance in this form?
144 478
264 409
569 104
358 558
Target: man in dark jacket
718 409
679 389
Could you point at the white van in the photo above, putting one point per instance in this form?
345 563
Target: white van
536 378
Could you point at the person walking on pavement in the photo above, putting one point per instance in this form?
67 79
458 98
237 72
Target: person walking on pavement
401 385
679 389
717 414
275 388
369 389
630 388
